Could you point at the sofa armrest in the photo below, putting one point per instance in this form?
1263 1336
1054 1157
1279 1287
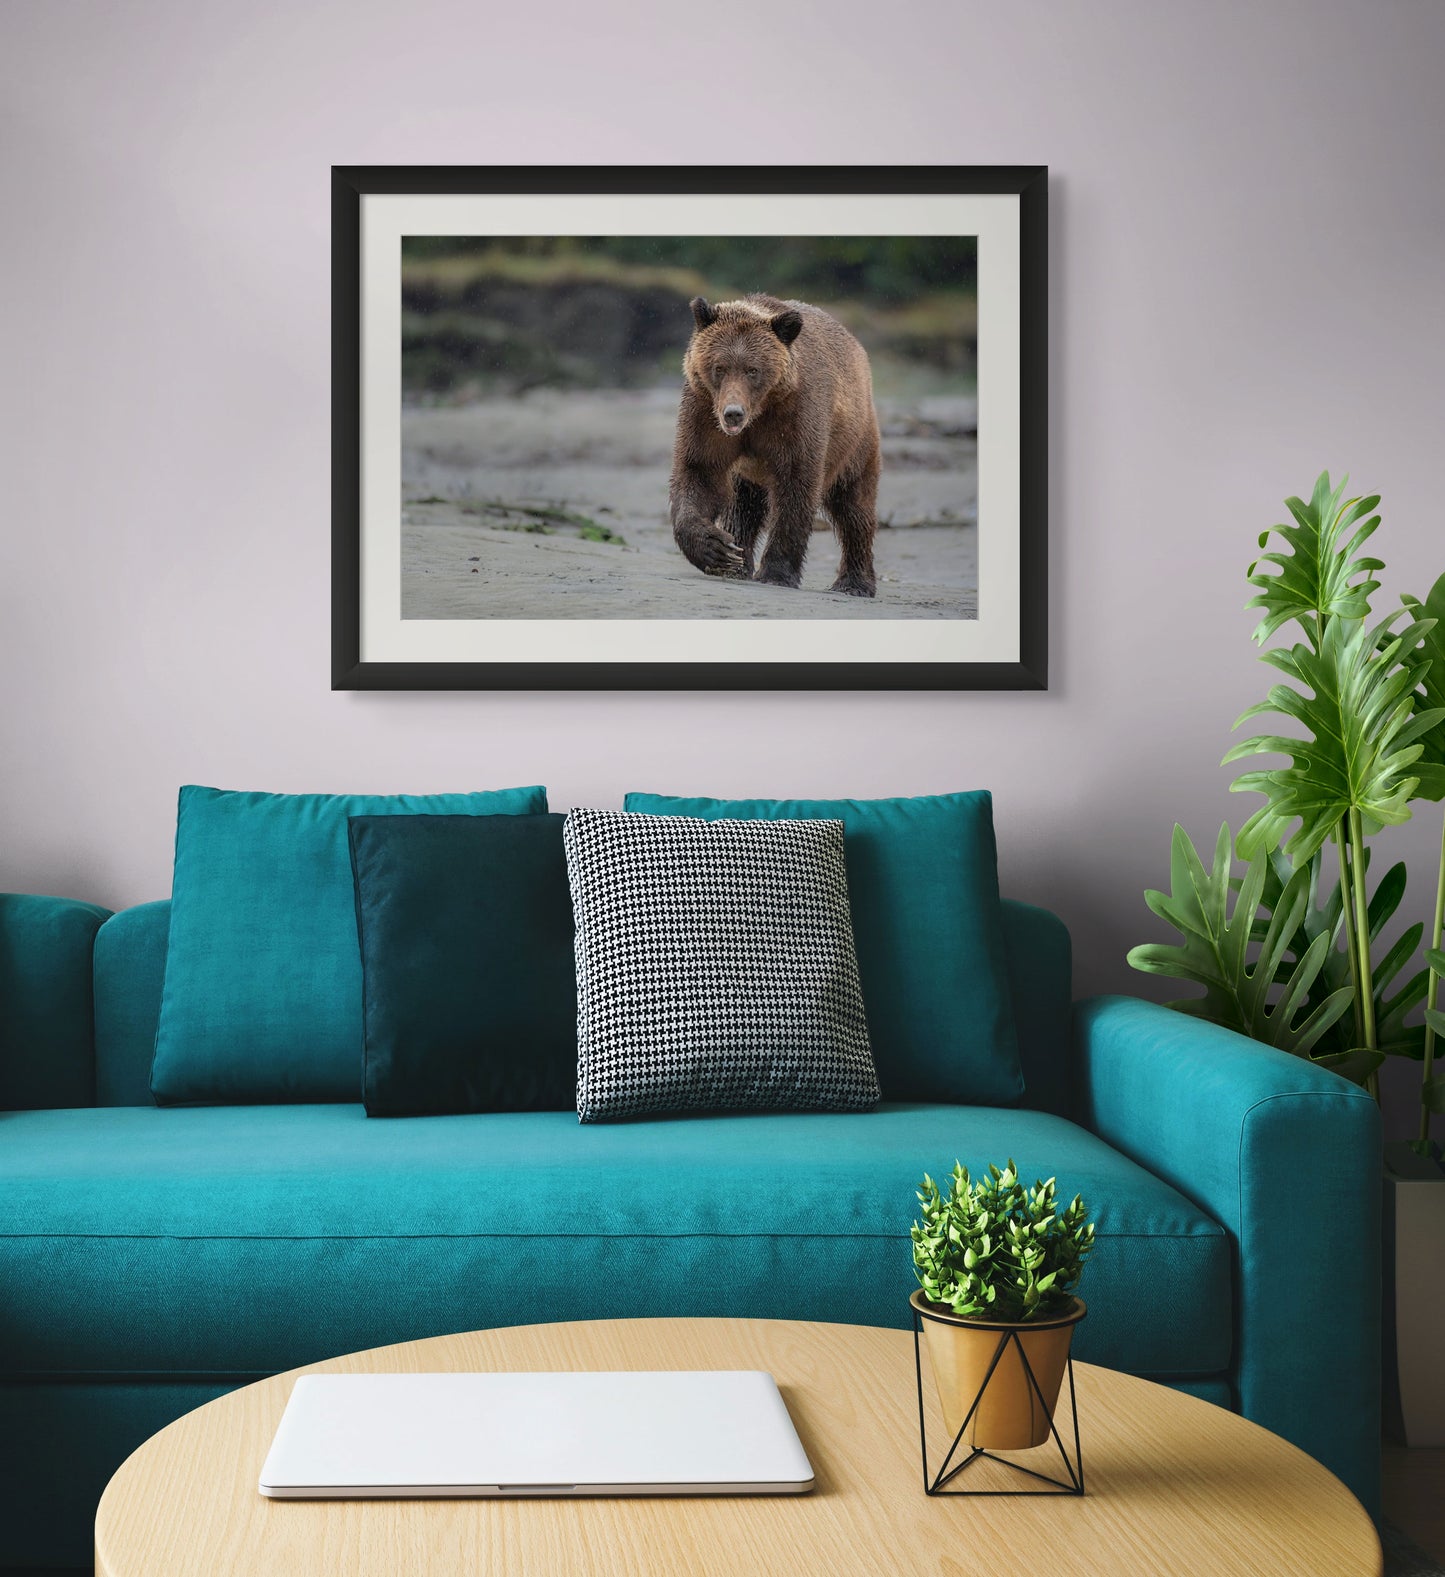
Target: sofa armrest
47 1005
1286 1156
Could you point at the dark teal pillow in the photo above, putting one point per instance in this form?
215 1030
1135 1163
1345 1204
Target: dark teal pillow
923 888
468 982
262 998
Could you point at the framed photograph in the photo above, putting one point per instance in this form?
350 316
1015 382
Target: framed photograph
687 429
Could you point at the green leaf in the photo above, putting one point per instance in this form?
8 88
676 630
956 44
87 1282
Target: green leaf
1356 1064
1040 1256
1215 946
1393 1034
1432 1095
1387 896
1430 697
1326 917
1354 700
1435 958
1318 578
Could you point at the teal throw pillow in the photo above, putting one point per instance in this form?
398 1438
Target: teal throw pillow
262 998
923 887
469 984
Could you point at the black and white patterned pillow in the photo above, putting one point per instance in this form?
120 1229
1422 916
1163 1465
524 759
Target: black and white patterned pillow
715 966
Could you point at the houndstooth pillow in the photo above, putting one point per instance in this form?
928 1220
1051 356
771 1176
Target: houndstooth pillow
715 966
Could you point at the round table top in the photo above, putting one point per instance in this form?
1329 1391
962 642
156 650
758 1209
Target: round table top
1174 1485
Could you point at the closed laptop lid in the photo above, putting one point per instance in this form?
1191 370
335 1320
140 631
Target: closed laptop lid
667 1432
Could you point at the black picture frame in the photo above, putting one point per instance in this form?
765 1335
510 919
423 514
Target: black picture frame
351 183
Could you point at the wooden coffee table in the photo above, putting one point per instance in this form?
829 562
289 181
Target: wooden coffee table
1174 1484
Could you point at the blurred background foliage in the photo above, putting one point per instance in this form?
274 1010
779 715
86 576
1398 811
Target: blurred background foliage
485 314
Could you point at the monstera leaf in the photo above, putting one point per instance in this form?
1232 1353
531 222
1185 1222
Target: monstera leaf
1433 1016
1433 1091
1393 1035
1430 697
1323 914
1354 698
1215 946
1356 1064
1318 579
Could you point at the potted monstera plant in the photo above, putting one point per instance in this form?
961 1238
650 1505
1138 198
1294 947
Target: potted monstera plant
1310 949
995 1257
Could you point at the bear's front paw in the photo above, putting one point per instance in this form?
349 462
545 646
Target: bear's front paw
729 566
779 575
855 586
714 553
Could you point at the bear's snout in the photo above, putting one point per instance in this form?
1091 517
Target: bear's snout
734 418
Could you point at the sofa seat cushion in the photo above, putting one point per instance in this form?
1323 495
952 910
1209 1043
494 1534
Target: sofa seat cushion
238 1240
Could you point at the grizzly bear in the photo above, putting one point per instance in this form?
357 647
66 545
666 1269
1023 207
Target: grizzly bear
776 423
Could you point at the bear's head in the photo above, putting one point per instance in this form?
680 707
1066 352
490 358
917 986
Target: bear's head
738 358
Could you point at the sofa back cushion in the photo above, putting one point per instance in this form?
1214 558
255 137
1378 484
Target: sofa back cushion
130 966
262 995
469 987
923 888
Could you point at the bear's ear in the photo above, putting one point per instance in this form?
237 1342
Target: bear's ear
703 314
788 326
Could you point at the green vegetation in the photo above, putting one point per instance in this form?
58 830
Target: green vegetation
516 313
1293 964
889 269
542 520
998 1250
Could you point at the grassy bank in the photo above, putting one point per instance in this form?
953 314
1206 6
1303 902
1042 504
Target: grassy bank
498 320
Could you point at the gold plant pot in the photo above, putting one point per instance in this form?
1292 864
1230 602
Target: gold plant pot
1011 1415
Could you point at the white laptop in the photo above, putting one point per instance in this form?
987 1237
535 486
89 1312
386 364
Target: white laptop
673 1432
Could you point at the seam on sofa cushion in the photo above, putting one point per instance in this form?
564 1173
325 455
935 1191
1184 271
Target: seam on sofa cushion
239 1377
124 1376
1209 1234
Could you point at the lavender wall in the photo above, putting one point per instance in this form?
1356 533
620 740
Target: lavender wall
1247 225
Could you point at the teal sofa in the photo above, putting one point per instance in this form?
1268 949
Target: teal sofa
151 1259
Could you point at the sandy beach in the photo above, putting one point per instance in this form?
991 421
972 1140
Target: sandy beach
554 505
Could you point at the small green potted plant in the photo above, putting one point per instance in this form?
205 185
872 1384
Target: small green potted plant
994 1257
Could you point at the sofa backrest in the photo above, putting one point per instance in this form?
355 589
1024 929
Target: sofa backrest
130 966
46 1006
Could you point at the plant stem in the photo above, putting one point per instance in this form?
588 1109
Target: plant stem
1432 994
1365 984
1347 920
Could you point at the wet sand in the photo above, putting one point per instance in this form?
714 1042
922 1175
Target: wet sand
500 499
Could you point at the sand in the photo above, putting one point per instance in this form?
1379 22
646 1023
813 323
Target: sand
484 484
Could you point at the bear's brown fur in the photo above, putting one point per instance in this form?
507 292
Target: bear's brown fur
776 423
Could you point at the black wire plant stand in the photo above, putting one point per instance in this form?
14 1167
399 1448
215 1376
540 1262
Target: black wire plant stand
949 1471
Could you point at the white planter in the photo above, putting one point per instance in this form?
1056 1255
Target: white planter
1414 1262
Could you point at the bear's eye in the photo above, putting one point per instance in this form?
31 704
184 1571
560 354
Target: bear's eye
753 373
